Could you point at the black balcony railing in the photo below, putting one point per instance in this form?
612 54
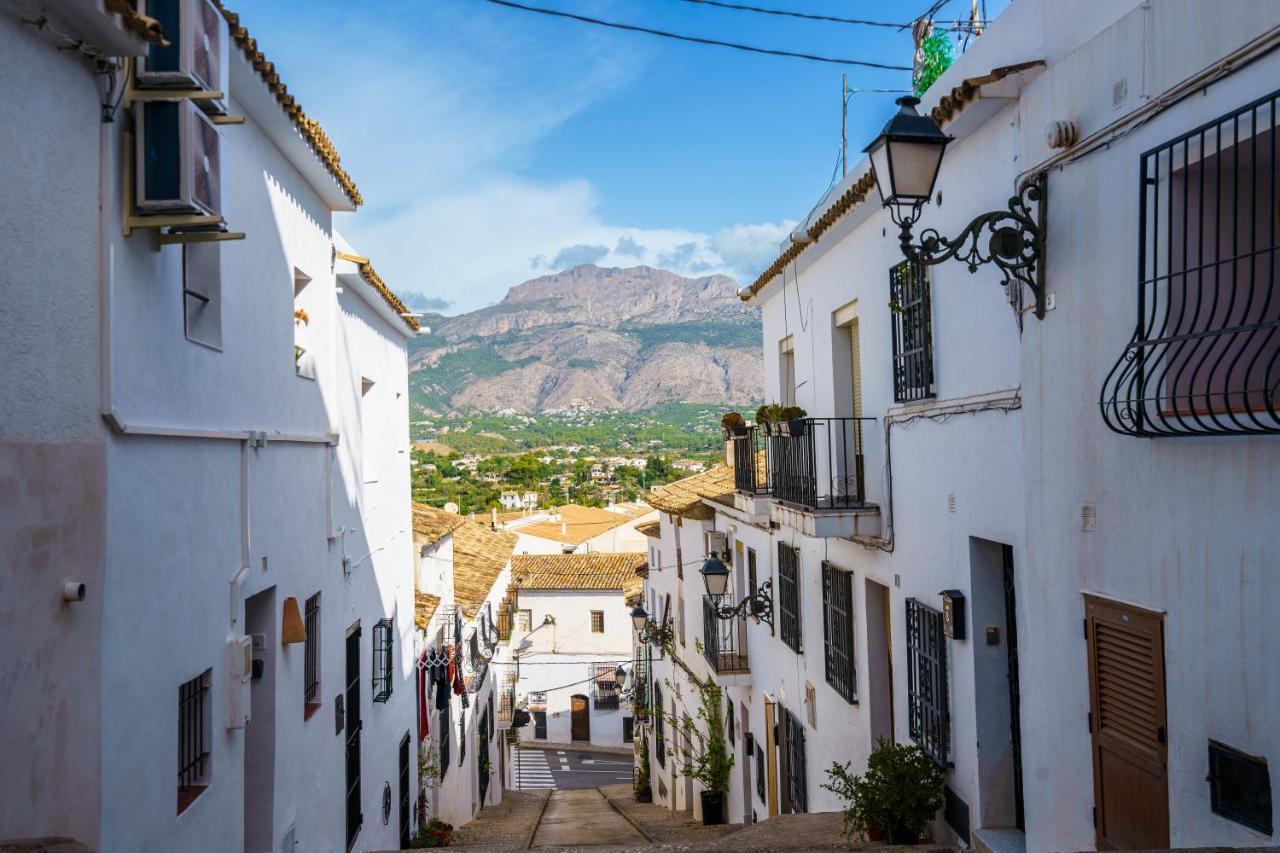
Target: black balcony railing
724 641
817 463
749 475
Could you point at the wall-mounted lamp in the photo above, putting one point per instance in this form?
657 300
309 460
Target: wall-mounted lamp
758 605
649 631
906 158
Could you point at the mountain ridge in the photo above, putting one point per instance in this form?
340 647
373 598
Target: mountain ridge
593 337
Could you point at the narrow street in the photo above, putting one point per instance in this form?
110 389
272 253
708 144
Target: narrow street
578 818
567 769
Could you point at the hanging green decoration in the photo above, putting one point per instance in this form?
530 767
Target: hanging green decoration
936 58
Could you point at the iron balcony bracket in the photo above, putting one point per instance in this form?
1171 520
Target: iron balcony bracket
758 606
1014 241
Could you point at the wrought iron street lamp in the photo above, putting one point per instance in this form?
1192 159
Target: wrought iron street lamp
620 677
906 158
649 631
758 604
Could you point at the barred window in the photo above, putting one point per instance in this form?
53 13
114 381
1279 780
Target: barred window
912 333
795 784
659 727
597 621
311 652
446 737
928 719
604 685
1204 358
789 596
837 631
195 733
383 662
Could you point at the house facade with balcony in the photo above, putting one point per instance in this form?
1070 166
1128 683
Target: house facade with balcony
1027 531
204 448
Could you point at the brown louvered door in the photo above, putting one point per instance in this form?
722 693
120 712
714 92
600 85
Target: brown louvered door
1127 704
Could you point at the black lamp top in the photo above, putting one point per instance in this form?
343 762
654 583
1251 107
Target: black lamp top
907 125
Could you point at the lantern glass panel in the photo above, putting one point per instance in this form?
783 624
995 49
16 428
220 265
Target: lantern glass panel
915 165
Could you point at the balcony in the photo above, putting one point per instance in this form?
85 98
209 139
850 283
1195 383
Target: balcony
750 475
724 643
818 463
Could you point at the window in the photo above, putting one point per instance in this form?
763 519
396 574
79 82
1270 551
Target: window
1204 358
680 614
659 726
1240 787
368 429
597 621
462 736
760 774
787 372
837 631
912 333
628 730
728 723
304 353
795 793
604 686
311 671
524 620
927 716
202 293
789 596
383 662
195 733
811 705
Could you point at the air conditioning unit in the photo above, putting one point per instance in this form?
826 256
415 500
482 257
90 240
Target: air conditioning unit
718 541
239 678
198 53
178 152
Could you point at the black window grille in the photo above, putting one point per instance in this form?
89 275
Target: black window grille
1204 358
311 676
789 596
462 736
912 333
194 731
928 720
837 631
446 737
604 686
760 774
796 800
1240 787
597 621
492 728
659 727
383 662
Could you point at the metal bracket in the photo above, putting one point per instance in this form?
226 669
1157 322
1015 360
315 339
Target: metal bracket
1014 241
758 606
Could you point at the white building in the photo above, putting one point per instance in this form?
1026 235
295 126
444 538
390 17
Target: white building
512 501
464 570
1112 681
195 478
570 632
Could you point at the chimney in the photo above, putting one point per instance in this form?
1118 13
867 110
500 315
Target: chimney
493 518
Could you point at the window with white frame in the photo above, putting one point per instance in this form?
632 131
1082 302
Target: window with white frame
304 333
202 293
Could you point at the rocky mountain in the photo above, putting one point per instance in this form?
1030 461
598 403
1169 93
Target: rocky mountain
628 339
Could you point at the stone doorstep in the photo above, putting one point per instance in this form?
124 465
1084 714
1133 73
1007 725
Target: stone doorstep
43 845
578 746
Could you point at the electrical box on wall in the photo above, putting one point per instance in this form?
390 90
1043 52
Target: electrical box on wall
239 676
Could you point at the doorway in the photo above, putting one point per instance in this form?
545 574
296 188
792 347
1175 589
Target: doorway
404 793
539 725
993 608
879 661
748 746
1127 725
579 718
352 705
260 731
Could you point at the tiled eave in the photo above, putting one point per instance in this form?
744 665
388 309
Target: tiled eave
309 129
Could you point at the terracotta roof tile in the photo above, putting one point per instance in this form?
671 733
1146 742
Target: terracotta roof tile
308 127
479 556
684 497
576 571
434 524
375 281
577 524
649 528
424 607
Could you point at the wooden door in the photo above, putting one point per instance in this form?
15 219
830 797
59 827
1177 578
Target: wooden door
1127 725
580 718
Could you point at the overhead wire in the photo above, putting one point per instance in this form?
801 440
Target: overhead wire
697 39
787 13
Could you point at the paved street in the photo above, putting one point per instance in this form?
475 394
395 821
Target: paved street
584 817
569 769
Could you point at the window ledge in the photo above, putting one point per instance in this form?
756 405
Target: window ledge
310 710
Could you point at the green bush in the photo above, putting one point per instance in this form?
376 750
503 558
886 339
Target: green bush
898 795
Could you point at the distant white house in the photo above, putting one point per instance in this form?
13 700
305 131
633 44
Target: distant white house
570 632
580 529
512 501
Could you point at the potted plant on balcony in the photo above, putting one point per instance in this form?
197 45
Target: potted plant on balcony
733 424
769 416
793 421
895 799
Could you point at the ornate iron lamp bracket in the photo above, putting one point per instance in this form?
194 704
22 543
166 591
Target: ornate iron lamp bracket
657 635
1013 239
758 606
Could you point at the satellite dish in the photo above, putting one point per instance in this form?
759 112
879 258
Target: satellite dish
451 507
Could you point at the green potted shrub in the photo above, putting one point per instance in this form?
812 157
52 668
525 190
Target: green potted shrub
733 424
643 791
711 762
793 421
895 799
769 416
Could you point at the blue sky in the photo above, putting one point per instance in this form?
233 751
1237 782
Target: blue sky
493 145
